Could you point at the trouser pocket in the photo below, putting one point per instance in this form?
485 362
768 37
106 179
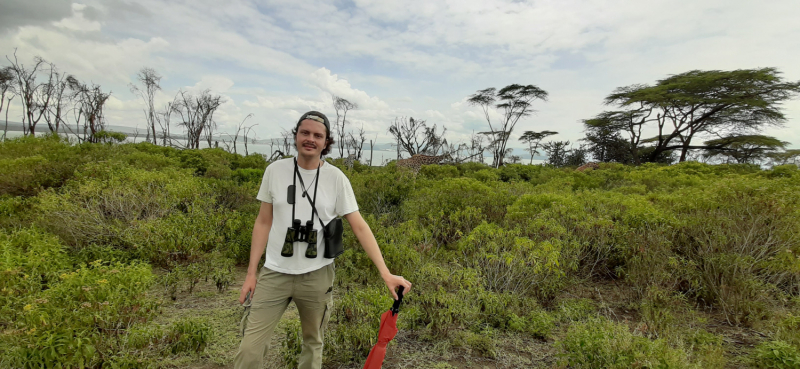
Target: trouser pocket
326 316
245 314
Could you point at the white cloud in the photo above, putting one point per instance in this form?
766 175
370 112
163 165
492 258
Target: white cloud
217 84
332 84
416 58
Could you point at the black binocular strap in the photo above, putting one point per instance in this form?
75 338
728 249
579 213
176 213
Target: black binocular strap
305 193
314 202
294 188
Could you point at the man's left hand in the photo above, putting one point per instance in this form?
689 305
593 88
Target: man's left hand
394 281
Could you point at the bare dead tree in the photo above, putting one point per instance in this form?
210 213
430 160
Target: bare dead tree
196 115
150 82
341 106
252 139
476 148
89 102
8 107
28 88
415 137
371 147
162 118
239 130
355 143
287 142
57 93
7 93
271 146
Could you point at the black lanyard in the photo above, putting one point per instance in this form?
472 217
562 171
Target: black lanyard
305 193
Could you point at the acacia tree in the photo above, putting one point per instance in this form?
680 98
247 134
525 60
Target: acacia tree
534 139
785 157
514 102
89 102
341 106
415 137
604 134
706 103
150 82
747 149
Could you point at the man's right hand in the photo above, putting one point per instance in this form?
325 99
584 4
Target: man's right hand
249 286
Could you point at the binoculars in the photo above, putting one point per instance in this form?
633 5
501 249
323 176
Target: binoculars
300 233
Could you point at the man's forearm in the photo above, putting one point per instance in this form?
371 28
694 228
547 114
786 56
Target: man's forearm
370 245
257 246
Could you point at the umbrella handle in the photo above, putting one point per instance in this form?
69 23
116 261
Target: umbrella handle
396 305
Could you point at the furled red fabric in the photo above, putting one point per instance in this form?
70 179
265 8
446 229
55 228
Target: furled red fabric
386 333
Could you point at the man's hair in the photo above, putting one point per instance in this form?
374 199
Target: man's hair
319 117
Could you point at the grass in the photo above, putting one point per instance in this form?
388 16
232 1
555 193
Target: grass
408 350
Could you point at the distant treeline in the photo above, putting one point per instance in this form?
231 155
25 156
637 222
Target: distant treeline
710 116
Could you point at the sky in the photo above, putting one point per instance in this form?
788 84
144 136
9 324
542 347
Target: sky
421 59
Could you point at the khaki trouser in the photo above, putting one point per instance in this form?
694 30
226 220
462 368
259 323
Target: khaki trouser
311 292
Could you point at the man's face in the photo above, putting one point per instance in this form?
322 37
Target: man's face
310 140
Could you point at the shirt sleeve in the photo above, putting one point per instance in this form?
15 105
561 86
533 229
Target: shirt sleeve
264 193
345 199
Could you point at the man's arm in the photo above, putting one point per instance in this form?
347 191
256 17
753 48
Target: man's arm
370 245
258 244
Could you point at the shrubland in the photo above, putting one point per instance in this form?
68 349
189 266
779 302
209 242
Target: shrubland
648 266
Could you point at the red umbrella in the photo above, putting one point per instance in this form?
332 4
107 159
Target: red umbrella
386 333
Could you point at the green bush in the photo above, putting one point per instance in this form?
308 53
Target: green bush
540 323
443 299
599 343
189 334
450 208
31 164
576 309
740 236
382 191
776 354
355 320
252 161
69 322
251 175
514 264
483 344
658 310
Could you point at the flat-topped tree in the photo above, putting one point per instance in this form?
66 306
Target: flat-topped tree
513 102
747 149
534 140
697 103
605 134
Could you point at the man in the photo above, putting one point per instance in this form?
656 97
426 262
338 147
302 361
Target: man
301 277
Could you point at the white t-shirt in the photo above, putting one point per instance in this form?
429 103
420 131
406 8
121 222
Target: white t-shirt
335 198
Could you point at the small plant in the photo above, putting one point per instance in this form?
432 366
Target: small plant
600 343
189 335
483 343
777 355
540 323
292 345
575 310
